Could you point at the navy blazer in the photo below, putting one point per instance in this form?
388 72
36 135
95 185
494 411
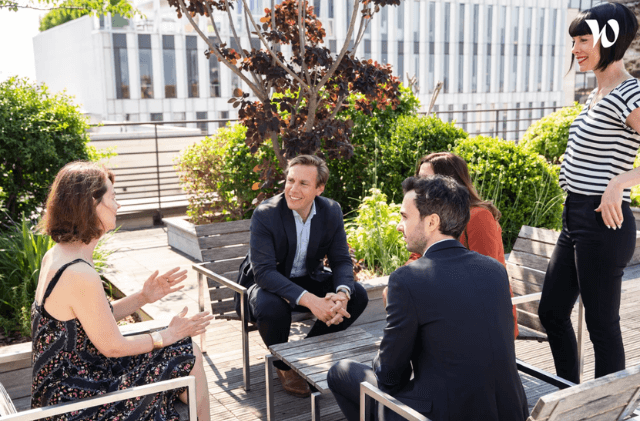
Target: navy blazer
273 243
449 323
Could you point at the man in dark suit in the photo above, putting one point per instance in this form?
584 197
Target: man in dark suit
291 234
449 321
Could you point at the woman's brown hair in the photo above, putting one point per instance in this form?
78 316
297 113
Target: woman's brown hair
446 163
71 205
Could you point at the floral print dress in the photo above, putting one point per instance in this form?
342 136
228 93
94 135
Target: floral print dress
67 366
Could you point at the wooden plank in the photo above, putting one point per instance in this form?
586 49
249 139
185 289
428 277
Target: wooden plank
567 410
530 320
524 288
223 240
221 307
530 307
539 234
220 293
223 227
225 265
17 382
529 260
525 274
352 331
294 353
534 247
221 253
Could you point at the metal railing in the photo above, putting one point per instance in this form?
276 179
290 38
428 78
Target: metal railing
146 151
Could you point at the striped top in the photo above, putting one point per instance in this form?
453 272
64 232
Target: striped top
601 145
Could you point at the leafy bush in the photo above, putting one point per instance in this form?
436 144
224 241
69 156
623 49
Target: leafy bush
39 133
218 175
522 185
549 135
373 234
22 251
351 178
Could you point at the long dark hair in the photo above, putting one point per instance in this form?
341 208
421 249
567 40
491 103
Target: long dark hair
446 163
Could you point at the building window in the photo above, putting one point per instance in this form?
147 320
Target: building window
192 66
502 28
224 115
416 41
487 84
316 7
461 50
121 65
214 74
552 47
333 46
169 64
202 115
235 79
447 29
146 66
367 49
330 9
527 40
156 116
515 14
540 48
474 62
401 60
432 42
384 35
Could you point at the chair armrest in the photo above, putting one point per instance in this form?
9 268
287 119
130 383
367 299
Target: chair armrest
526 298
199 268
367 390
545 376
148 389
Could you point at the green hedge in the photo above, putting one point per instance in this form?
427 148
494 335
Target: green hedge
549 135
39 133
522 185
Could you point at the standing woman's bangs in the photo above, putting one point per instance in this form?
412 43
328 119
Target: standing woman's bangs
603 13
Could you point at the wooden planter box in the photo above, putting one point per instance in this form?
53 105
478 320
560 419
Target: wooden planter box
207 242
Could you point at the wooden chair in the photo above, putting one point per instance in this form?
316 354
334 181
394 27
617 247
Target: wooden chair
612 397
8 410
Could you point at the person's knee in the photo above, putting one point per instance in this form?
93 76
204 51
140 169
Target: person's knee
268 306
336 374
197 353
359 301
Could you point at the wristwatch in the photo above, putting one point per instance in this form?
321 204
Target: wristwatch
346 292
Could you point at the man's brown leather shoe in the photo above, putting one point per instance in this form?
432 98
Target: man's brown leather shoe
293 384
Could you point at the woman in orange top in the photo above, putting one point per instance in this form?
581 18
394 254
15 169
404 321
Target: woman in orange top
483 233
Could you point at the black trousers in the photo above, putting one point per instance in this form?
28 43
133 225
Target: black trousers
344 380
589 260
273 314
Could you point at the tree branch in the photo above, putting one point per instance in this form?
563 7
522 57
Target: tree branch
278 62
301 30
235 36
327 76
233 68
278 151
334 113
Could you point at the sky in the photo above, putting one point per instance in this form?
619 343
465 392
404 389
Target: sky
17 30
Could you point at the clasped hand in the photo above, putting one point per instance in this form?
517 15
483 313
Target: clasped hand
331 309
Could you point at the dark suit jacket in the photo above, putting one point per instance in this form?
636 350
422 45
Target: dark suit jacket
449 322
273 243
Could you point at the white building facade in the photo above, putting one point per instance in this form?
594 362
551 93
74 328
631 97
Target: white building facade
490 54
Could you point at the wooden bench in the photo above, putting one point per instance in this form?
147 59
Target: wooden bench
527 265
612 397
16 367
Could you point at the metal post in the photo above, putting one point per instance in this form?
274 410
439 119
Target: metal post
245 342
268 365
581 335
155 129
497 123
316 397
201 290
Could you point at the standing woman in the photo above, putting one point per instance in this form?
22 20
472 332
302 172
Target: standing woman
78 351
599 232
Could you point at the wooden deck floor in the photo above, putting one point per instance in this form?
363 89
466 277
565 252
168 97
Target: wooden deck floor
140 252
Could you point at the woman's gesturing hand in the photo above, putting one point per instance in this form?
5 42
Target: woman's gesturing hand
611 205
158 286
181 326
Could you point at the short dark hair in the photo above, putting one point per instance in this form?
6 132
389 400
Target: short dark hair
71 205
314 161
443 196
602 13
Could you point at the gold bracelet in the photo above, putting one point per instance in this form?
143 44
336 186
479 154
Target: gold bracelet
157 340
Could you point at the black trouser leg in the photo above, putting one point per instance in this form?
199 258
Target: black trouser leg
344 380
589 258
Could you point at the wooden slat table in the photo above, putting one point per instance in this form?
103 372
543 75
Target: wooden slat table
313 357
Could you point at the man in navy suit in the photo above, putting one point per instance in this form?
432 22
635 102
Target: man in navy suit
449 321
291 234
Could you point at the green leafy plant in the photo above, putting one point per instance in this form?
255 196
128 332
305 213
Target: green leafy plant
218 175
40 132
373 235
521 184
21 253
549 135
